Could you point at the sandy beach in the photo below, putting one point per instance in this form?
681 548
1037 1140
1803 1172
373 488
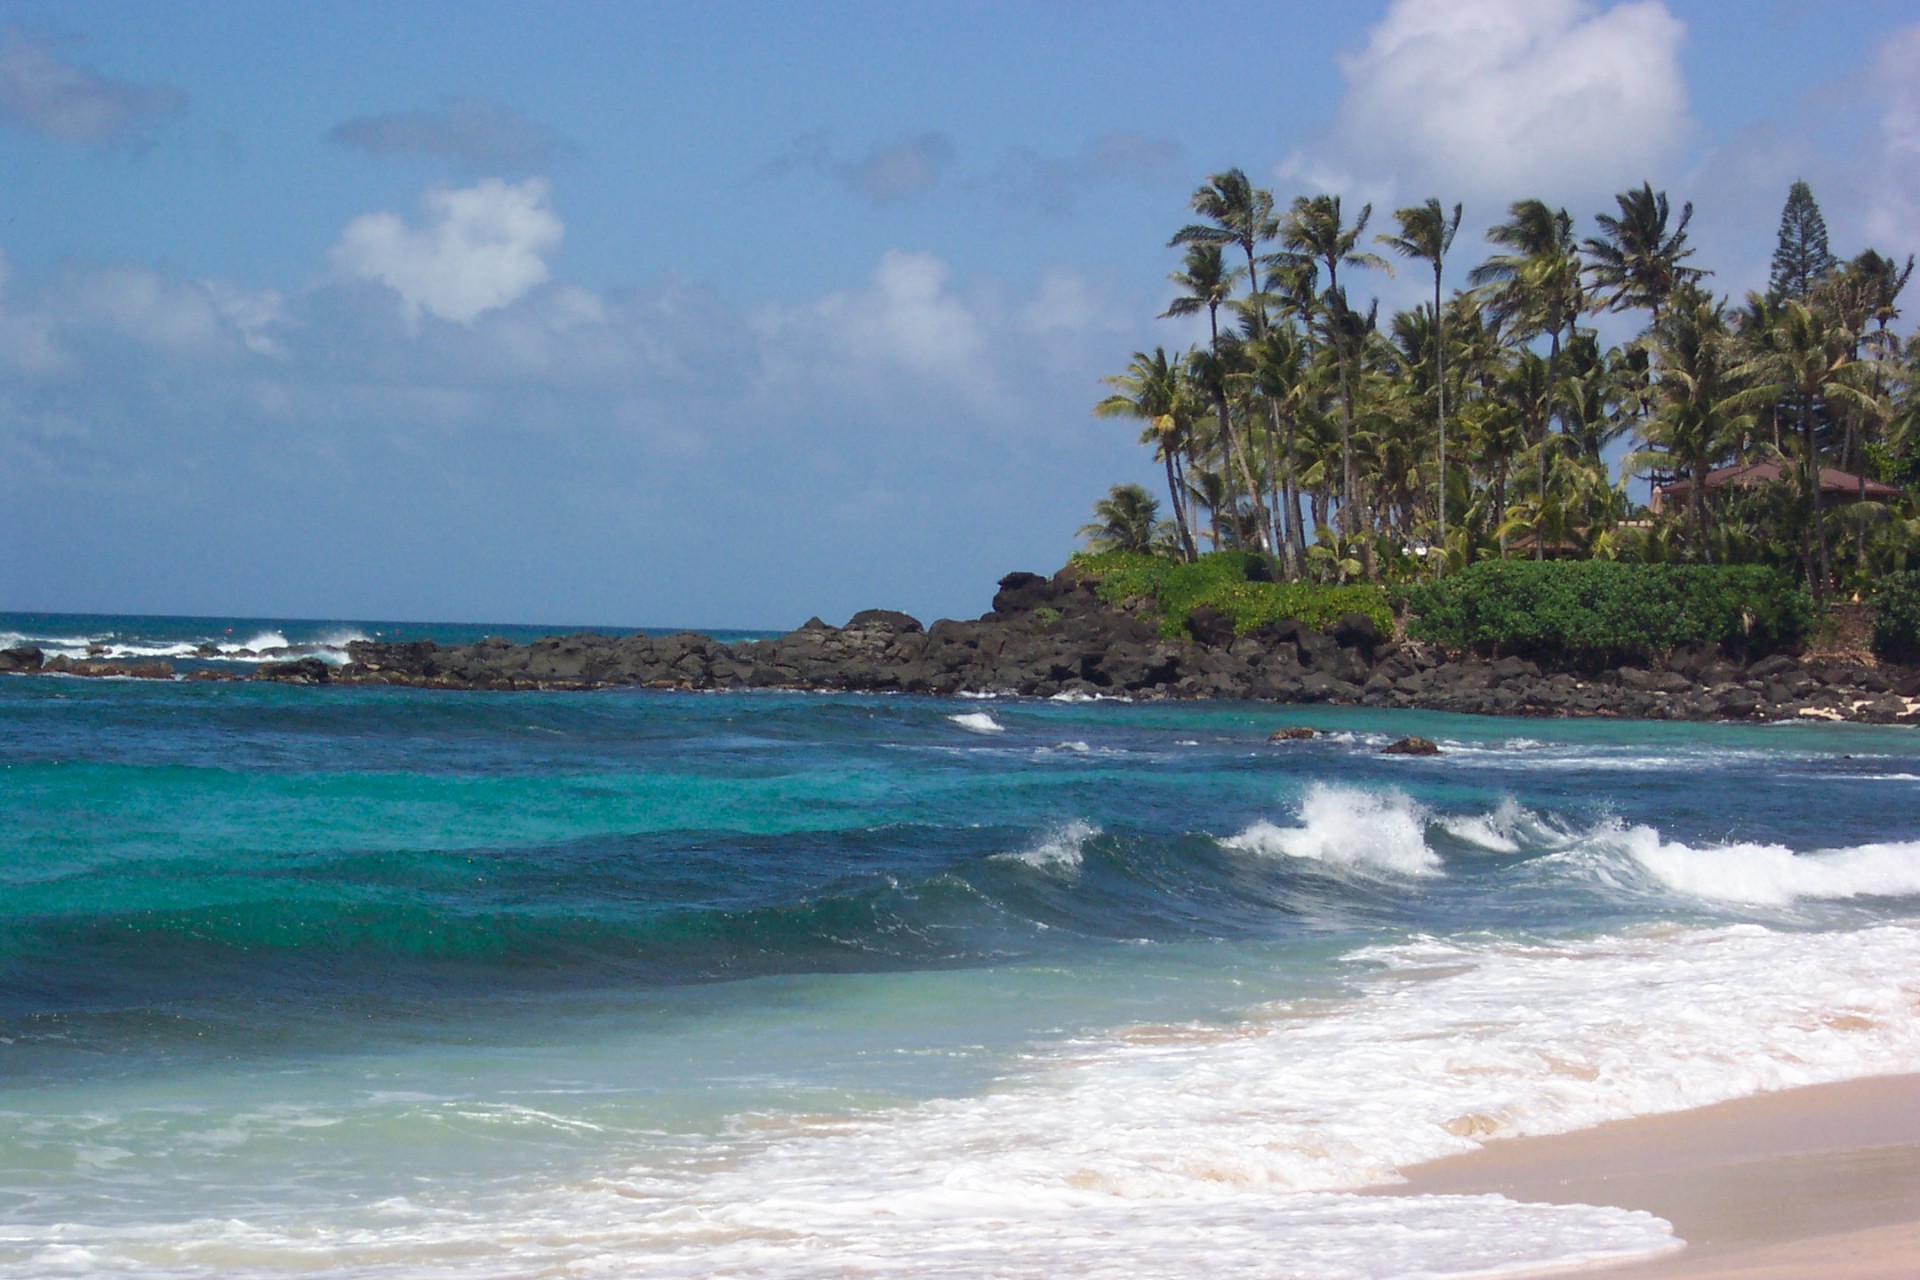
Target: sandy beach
1822 1181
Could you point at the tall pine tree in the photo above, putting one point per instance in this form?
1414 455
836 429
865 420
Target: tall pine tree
1802 256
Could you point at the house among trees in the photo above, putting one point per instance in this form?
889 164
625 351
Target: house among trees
1837 488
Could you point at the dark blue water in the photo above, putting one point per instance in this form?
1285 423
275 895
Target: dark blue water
278 956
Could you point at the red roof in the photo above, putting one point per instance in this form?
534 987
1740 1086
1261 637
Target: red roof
1832 480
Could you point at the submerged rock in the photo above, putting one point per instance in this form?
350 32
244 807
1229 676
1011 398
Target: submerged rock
1411 747
1298 733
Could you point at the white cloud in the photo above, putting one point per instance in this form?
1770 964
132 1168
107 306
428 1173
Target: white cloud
480 247
904 321
253 316
42 330
203 318
1893 186
157 312
1510 98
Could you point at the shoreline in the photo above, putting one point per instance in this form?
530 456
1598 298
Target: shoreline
1821 1180
1055 637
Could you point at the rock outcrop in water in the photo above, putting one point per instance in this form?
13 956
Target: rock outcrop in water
1050 637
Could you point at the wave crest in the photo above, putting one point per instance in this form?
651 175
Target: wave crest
1371 831
1059 849
1771 875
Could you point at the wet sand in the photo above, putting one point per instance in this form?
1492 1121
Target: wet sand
1816 1182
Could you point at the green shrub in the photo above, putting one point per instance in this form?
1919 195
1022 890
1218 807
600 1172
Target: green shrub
1606 611
1896 617
1220 581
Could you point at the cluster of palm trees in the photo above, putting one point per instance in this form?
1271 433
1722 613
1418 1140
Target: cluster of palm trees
1486 422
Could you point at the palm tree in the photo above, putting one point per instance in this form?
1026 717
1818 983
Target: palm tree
1798 357
1426 233
1127 519
1535 285
1239 213
1154 390
1694 424
1283 379
1208 283
1316 231
1635 260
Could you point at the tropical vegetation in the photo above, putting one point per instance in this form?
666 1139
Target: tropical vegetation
1231 583
1493 423
1603 611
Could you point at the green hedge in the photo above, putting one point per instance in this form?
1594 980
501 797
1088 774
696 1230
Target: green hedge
1602 610
1220 580
1896 617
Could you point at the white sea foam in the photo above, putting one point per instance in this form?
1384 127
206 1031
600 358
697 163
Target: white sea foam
266 640
978 722
1497 831
1370 831
1511 827
1771 874
1176 1151
1059 849
1385 832
1179 1151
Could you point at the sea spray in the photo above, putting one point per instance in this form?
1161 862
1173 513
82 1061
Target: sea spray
1375 832
1771 874
1059 850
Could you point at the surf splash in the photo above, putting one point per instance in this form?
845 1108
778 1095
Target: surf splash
1771 875
1373 832
1060 849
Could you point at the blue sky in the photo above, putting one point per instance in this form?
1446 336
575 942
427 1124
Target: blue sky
724 315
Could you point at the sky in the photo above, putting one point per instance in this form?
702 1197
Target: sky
731 314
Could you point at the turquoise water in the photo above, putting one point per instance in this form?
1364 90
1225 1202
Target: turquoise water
371 981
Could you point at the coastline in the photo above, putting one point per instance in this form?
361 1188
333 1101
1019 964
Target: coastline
1054 637
1821 1180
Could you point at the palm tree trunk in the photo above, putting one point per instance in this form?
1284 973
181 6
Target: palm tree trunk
1179 509
1281 526
1263 519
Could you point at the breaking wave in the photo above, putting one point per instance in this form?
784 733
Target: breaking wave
1369 831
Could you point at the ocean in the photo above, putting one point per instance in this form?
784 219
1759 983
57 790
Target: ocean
388 982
